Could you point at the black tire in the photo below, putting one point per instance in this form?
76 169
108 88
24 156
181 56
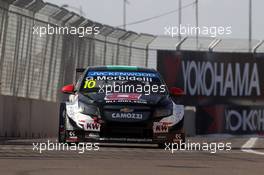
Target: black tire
62 122
161 145
183 138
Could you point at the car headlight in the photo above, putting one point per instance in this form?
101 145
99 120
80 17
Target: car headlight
88 109
163 112
176 117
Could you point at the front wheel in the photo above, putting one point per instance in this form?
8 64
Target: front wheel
62 123
161 145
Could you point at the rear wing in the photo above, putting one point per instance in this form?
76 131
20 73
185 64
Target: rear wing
78 73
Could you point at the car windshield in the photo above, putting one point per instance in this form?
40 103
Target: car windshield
122 82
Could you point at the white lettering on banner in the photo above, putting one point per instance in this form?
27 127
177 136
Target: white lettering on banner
245 120
220 79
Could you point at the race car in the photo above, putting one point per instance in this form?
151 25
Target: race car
121 104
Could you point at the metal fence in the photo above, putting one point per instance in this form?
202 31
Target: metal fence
36 67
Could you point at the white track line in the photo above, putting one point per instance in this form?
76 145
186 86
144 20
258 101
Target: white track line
247 147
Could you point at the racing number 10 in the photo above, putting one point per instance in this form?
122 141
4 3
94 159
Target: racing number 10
89 84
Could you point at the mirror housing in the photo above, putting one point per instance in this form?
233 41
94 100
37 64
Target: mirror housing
175 91
68 89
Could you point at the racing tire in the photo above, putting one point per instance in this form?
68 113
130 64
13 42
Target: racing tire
62 124
161 145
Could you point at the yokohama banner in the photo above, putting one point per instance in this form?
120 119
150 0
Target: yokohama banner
209 77
230 119
226 88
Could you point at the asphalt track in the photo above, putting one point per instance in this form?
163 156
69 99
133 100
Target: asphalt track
246 157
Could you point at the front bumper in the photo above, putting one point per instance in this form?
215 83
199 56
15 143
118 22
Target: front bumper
140 134
80 127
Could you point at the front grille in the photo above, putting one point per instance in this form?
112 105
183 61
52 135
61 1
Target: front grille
126 130
116 113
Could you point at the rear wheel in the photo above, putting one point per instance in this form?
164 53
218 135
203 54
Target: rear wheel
62 124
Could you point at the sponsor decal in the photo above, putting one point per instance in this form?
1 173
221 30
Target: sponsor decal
127 116
92 135
177 137
122 96
127 101
161 136
89 126
109 73
72 134
159 127
120 78
126 109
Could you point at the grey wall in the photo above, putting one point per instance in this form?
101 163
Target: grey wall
189 121
28 118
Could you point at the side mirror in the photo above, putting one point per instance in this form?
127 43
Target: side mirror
68 89
174 91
